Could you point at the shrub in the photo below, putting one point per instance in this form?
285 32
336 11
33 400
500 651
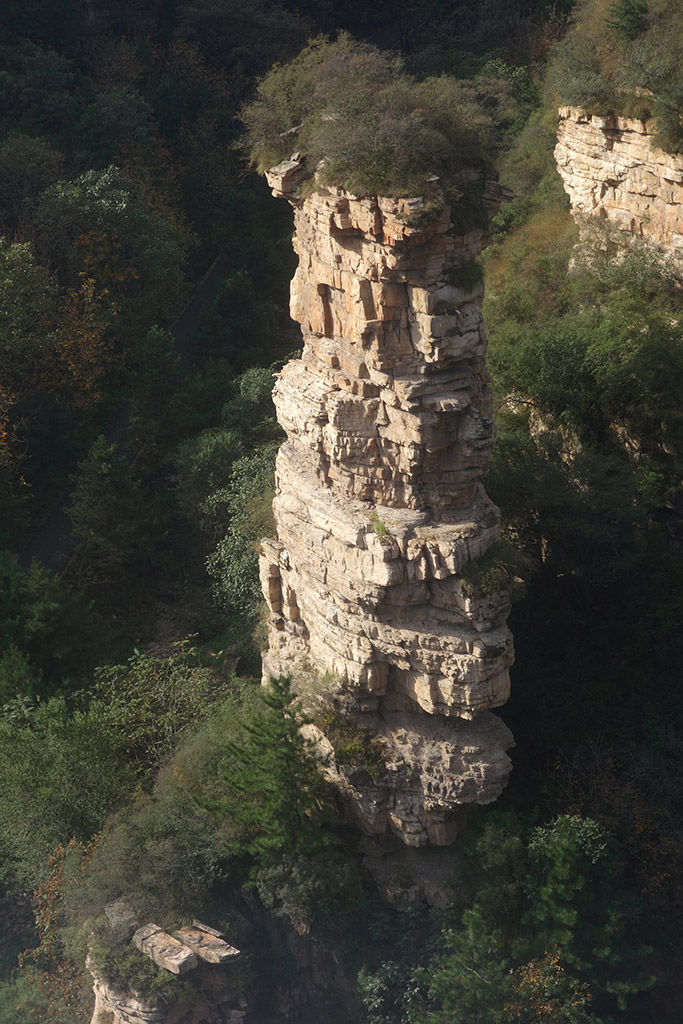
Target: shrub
380 528
128 970
62 774
245 508
150 702
352 744
467 276
305 890
576 75
366 125
619 57
167 849
496 570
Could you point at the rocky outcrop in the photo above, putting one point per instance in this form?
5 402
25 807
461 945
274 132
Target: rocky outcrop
211 1003
616 178
197 951
380 507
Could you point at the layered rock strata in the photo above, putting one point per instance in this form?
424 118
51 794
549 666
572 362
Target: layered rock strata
618 179
214 1003
195 949
380 508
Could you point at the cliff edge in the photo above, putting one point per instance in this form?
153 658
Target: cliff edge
618 179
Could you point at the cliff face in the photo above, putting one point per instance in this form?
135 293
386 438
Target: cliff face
379 506
616 177
212 1004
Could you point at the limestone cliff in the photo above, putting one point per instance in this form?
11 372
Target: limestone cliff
379 504
617 178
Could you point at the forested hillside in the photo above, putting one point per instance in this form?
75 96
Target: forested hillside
139 755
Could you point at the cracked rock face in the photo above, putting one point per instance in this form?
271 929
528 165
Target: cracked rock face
380 507
617 178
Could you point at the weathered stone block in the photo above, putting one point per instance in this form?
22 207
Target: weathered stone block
164 950
208 947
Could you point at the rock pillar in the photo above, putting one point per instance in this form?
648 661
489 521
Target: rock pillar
380 505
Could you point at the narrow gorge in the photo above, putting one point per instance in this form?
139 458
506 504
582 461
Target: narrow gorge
380 508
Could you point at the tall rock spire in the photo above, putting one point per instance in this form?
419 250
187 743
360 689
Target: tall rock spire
380 507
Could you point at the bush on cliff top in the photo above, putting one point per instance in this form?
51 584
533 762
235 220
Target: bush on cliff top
368 126
626 57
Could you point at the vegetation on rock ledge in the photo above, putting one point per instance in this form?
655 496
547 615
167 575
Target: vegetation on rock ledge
362 122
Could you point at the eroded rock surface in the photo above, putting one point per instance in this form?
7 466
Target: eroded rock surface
618 179
213 1004
208 947
164 949
379 503
198 951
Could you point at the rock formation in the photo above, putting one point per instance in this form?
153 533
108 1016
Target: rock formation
616 177
379 504
195 949
212 1004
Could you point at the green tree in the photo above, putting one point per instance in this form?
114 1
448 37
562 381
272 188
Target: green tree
45 627
242 512
109 519
27 166
242 37
157 383
36 88
18 678
239 323
52 359
63 772
628 17
28 310
97 224
580 907
203 466
468 979
278 791
117 120
543 993
494 873
55 22
151 702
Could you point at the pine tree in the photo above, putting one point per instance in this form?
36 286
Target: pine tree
469 980
278 791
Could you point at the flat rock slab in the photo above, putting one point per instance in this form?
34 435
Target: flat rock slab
207 946
164 950
207 928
